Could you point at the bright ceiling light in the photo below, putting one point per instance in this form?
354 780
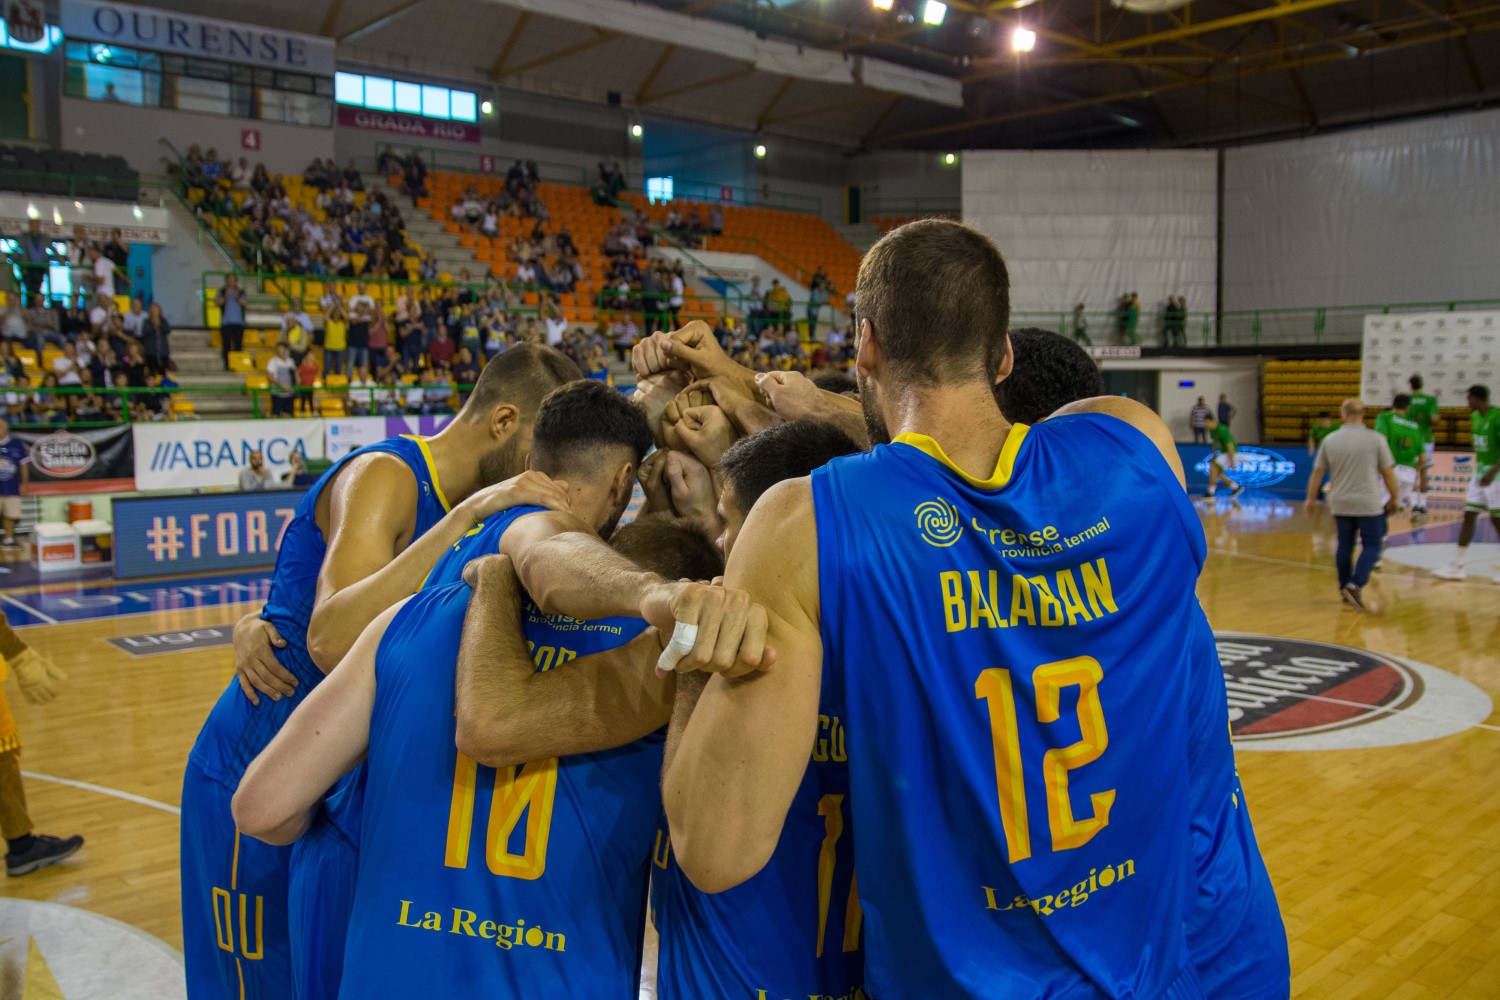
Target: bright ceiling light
31 212
882 4
56 216
637 131
949 159
1023 40
760 151
487 107
934 12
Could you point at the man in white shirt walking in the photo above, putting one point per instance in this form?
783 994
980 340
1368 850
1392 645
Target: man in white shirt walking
1362 491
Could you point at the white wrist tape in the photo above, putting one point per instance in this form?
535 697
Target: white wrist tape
684 637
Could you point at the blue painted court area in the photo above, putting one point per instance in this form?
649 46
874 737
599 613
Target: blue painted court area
72 602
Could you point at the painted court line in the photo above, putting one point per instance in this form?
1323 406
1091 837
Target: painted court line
113 792
1391 710
1477 581
46 618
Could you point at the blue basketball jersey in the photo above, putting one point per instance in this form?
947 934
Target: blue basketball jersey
237 731
325 859
482 540
793 930
1019 677
522 881
236 939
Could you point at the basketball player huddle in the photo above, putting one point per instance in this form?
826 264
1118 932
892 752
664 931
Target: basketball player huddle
899 693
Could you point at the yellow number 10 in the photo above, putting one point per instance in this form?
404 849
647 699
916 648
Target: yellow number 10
527 789
995 687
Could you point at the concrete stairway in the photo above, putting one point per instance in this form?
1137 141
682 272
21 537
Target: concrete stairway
200 366
427 232
861 236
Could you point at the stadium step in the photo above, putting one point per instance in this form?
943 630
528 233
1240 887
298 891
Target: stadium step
861 236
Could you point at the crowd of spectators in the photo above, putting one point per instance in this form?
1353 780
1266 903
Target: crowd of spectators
337 235
411 355
519 197
101 350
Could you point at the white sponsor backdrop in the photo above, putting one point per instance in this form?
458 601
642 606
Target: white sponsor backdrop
347 434
1089 226
1403 212
1450 350
212 453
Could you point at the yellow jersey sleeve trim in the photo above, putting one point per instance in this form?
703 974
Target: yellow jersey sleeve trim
1004 466
437 487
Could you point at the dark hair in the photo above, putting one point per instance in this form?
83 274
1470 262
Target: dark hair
1049 371
754 464
1401 402
672 547
1481 391
521 376
938 296
579 418
1415 382
835 382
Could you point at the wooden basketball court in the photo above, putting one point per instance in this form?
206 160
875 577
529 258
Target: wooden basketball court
1385 853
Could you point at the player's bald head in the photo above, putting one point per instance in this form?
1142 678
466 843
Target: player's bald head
522 377
937 296
1353 410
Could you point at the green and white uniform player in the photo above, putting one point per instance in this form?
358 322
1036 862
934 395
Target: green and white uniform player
1404 434
1222 459
1484 491
1424 410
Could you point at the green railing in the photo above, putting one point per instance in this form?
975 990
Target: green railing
876 205
77 288
179 189
274 291
1270 328
551 172
389 399
64 401
690 189
754 247
548 171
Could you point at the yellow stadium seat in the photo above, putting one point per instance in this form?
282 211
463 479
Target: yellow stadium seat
182 408
26 356
336 381
241 361
257 382
50 355
331 406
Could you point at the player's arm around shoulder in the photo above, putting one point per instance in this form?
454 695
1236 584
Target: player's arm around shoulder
748 742
509 713
324 739
372 505
1142 418
568 569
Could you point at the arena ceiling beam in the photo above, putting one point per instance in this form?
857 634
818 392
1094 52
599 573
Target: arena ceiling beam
600 37
379 20
497 69
1238 72
710 81
643 92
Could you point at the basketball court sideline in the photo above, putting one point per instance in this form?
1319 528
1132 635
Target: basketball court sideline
1368 747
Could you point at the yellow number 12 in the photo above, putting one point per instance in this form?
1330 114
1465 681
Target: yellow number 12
995 687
